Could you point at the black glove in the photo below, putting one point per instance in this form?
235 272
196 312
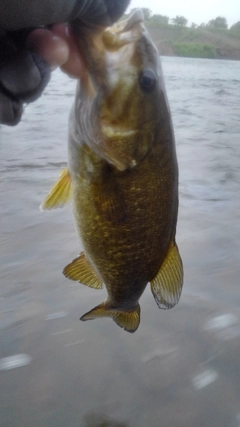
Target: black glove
23 74
23 77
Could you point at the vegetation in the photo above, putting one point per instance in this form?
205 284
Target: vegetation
180 20
176 36
159 20
235 30
218 23
194 50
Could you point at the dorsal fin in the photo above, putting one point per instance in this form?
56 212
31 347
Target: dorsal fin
167 284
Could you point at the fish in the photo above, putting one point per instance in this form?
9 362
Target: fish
122 174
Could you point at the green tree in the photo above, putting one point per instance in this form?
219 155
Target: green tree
193 25
235 29
219 23
180 20
159 19
235 26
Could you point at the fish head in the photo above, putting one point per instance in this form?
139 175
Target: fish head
122 91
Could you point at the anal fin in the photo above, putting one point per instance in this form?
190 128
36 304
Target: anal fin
81 271
59 194
128 320
167 285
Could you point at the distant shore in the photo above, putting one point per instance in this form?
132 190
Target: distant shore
173 40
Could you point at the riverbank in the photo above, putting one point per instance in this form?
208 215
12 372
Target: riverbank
203 42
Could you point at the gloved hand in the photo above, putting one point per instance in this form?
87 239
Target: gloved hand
23 73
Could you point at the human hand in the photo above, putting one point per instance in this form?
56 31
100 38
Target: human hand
27 56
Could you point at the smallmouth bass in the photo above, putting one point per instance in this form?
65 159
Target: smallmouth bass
122 174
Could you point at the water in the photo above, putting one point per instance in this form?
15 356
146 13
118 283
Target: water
181 368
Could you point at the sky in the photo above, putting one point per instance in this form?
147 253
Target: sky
195 11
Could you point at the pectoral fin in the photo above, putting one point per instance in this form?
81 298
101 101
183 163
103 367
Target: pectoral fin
81 271
167 284
60 193
128 320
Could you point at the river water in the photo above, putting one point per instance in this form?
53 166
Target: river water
182 367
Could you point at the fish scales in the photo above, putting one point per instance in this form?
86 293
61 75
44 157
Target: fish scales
123 174
128 250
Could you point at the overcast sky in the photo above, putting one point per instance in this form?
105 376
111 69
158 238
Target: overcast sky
194 11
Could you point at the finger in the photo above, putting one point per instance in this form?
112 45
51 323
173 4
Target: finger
74 65
52 48
23 75
10 110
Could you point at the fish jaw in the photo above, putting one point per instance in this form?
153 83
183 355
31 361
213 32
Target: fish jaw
117 119
96 43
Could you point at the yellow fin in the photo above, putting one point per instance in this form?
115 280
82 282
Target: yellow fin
167 284
59 194
128 320
81 270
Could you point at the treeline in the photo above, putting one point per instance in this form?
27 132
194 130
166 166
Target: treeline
175 36
155 20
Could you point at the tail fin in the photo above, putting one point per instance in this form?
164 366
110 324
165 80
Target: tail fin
129 320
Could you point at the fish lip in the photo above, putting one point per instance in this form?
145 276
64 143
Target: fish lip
136 18
124 32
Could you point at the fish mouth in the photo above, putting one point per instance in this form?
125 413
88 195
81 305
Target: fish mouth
122 38
135 18
116 46
112 58
102 47
123 32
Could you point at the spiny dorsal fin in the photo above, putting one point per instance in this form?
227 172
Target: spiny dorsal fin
167 284
128 320
81 270
59 194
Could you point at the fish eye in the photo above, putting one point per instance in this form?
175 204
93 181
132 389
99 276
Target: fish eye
147 80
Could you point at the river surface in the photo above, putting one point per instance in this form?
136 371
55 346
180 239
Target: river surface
182 367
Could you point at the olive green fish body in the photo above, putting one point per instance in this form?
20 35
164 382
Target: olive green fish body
126 227
122 174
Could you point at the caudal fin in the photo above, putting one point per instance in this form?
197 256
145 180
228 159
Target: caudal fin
128 320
